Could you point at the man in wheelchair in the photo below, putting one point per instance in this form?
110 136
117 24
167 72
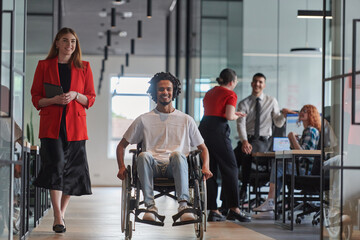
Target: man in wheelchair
166 136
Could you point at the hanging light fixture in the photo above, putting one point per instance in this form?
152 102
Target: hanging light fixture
105 52
113 17
127 59
108 35
306 49
118 2
314 14
132 46
122 70
139 33
149 14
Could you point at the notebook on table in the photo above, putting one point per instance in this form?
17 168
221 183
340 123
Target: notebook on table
52 90
281 144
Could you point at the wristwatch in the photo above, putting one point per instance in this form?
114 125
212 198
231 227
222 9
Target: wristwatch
77 95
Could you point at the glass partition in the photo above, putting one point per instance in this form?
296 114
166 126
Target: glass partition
4 198
341 218
11 116
20 35
6 43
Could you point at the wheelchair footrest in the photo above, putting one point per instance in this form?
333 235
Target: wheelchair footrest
184 222
156 223
196 212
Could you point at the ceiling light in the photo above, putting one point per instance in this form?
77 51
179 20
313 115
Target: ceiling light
127 59
127 14
313 14
113 17
103 13
108 34
306 50
172 6
149 15
122 33
118 2
139 33
100 34
105 52
132 46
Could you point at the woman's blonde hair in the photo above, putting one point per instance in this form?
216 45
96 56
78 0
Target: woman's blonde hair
75 56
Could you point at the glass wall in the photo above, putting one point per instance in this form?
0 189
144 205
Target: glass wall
249 39
341 107
12 42
221 47
183 50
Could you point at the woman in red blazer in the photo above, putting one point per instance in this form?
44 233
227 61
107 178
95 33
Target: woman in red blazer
64 168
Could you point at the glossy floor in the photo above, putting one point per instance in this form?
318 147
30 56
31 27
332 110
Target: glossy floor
98 217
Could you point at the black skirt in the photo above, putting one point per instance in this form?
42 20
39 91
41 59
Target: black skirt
64 165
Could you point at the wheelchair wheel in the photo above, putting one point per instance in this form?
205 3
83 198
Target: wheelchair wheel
128 233
125 201
203 198
199 227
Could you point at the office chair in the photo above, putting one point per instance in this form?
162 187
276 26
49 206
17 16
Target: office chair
310 184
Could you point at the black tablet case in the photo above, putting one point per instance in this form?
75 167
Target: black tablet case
52 90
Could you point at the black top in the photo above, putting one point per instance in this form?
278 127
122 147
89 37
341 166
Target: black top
65 76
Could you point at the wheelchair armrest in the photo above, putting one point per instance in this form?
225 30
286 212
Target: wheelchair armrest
133 151
195 152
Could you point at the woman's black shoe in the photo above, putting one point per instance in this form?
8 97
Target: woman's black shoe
223 211
242 217
59 228
215 217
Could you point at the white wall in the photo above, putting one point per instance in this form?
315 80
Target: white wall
268 39
102 170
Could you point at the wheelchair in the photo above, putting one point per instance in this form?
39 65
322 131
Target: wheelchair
131 204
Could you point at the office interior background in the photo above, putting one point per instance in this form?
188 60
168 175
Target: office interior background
195 40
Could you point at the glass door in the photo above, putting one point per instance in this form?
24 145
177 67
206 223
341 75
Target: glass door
341 136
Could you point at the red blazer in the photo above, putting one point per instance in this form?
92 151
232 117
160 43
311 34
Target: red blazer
50 116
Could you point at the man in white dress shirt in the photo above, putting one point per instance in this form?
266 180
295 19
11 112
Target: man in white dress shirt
250 141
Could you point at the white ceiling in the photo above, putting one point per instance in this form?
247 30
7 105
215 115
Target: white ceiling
83 17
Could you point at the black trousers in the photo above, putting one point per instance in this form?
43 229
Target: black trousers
244 160
216 131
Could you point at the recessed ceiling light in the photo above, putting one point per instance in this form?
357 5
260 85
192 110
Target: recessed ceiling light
118 2
122 33
103 13
127 14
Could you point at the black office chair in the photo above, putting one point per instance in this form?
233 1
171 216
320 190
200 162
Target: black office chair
310 192
309 184
260 175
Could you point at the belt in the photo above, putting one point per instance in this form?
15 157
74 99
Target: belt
261 138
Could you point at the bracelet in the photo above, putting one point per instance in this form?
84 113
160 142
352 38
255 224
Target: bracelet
77 95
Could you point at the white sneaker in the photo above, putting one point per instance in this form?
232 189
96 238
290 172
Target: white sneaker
186 216
267 206
150 216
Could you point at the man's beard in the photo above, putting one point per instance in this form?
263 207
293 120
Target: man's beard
165 103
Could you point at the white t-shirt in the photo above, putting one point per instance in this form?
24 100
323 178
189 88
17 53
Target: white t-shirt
163 133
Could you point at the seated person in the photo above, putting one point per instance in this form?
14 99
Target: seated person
167 136
309 140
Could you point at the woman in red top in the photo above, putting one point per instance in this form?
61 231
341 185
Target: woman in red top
64 168
219 105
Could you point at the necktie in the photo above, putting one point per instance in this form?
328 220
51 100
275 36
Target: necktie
257 118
